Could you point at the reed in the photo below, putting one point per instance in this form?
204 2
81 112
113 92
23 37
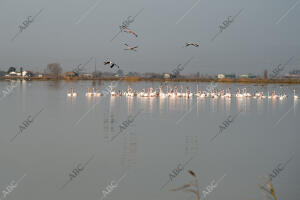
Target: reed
192 187
268 189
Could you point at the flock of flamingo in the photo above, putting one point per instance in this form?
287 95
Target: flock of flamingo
175 92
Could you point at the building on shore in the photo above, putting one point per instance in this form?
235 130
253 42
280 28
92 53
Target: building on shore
244 76
86 75
220 76
20 74
248 76
167 75
70 75
295 74
232 76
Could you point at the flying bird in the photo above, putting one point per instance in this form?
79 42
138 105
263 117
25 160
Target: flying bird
111 64
130 48
130 31
191 44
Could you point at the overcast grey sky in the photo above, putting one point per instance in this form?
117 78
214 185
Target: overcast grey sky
71 31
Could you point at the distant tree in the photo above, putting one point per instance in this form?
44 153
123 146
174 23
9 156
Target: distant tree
2 73
265 74
11 69
53 69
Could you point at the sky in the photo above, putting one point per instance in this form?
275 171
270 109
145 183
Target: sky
265 34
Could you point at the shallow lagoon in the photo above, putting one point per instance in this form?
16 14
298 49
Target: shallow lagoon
167 132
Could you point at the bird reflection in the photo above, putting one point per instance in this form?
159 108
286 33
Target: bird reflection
130 105
213 104
294 105
128 159
109 122
227 104
191 145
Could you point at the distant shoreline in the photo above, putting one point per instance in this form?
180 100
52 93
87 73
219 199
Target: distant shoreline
140 79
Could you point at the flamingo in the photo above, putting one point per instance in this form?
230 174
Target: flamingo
72 93
130 48
151 93
120 93
274 95
113 92
188 94
198 94
238 93
228 94
269 97
258 94
142 93
179 94
161 93
191 44
130 31
111 64
281 97
246 94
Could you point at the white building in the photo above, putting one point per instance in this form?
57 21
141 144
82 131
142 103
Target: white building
244 76
221 76
14 74
24 74
87 75
167 75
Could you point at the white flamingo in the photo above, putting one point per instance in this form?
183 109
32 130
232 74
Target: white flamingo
72 93
191 44
246 94
238 94
130 48
113 93
269 97
228 94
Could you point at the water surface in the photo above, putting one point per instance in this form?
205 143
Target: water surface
70 131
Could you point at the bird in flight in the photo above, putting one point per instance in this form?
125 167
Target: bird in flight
130 48
130 31
111 64
191 44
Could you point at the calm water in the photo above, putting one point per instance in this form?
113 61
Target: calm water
71 130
